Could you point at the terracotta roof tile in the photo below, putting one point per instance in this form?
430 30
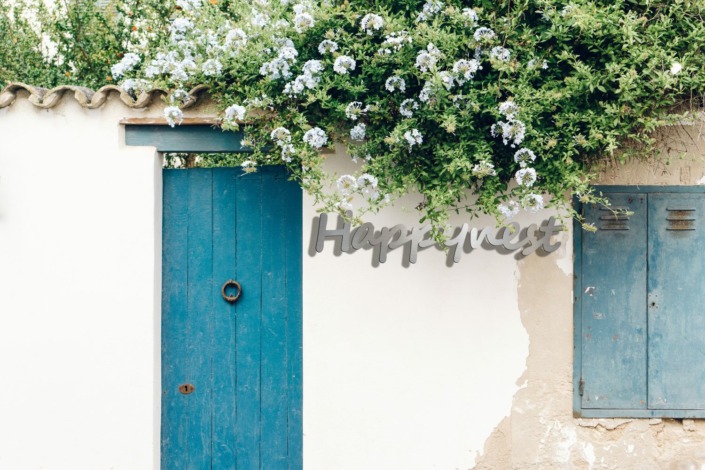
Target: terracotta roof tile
91 99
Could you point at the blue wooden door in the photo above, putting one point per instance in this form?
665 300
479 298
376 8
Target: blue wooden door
231 372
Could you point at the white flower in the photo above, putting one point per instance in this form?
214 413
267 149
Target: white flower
471 15
128 62
394 83
429 10
280 24
447 79
301 7
526 177
368 186
277 68
483 34
353 110
173 115
316 137
345 205
358 132
394 42
371 23
500 53
136 86
466 69
407 107
288 52
235 38
212 67
413 137
281 136
533 202
427 92
258 19
309 79
510 209
288 151
327 46
313 67
188 5
524 156
302 22
281 66
533 64
296 87
512 131
567 10
178 96
675 68
366 180
235 113
484 168
178 29
424 61
249 166
509 108
343 64
347 184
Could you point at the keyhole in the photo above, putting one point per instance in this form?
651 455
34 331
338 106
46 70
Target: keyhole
186 389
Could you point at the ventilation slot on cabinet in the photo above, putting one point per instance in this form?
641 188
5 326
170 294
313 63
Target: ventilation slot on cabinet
614 218
680 219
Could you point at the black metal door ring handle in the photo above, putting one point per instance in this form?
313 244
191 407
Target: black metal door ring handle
231 298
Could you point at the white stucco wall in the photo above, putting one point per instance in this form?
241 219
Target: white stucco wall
79 317
407 367
404 367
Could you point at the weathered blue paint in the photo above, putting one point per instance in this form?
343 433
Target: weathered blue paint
192 138
243 359
613 305
676 301
639 314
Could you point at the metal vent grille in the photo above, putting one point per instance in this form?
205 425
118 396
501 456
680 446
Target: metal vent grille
614 218
680 219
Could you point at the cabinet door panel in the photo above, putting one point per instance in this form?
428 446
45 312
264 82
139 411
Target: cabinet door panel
676 301
613 317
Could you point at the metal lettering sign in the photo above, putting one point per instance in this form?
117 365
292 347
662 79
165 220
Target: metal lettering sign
464 239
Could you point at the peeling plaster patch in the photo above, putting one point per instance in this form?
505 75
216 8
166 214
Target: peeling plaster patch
689 425
569 437
607 424
564 258
701 180
589 452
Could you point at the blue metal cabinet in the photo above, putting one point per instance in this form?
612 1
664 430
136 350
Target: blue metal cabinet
640 305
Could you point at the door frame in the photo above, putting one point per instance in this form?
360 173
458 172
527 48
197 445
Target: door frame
192 136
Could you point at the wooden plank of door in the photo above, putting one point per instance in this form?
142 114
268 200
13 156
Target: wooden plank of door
198 368
224 358
274 318
174 420
249 308
294 277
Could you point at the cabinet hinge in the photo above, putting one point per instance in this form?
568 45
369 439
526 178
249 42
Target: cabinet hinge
581 387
